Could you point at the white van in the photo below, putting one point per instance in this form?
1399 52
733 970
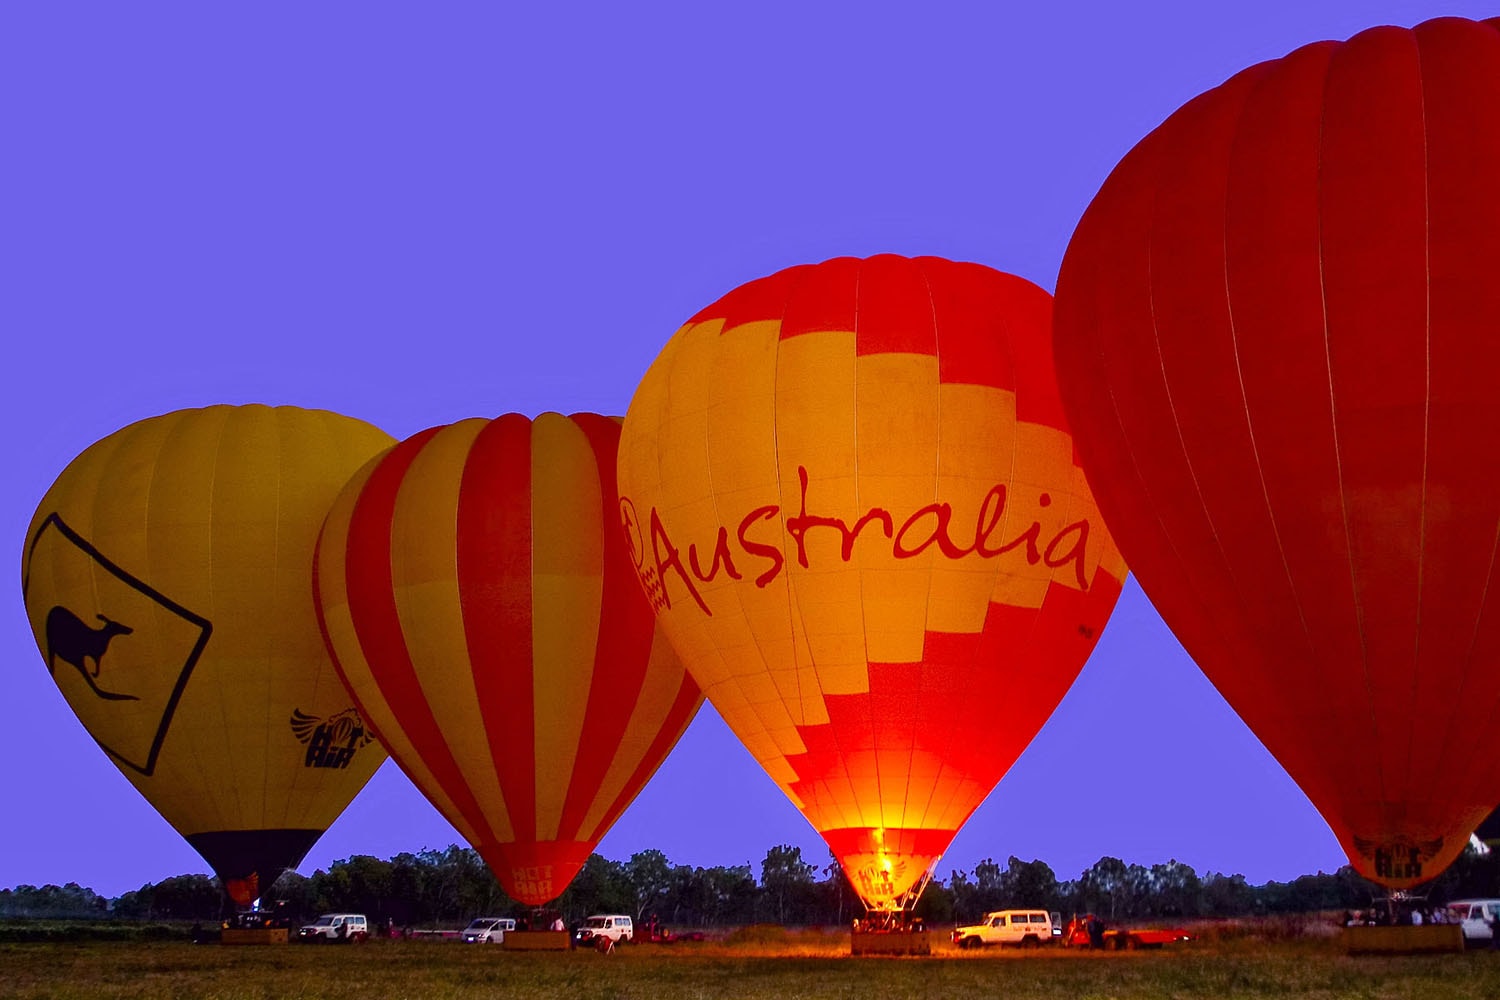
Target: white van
615 926
488 930
336 927
1475 915
1027 928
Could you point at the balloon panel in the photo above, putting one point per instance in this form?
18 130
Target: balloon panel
1271 346
851 497
166 581
480 605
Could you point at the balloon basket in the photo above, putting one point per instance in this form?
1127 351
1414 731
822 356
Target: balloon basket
1402 939
536 941
891 942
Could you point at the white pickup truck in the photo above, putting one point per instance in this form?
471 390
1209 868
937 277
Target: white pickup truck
1024 928
615 926
1475 915
336 927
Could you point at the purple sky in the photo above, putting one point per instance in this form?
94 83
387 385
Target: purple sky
416 215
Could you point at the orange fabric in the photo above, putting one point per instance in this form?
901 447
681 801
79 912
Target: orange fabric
849 493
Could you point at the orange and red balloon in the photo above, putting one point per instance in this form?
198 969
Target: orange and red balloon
851 494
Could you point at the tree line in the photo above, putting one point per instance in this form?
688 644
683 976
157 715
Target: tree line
447 887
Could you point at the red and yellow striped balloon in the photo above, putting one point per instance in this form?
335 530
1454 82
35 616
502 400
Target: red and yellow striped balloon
481 609
851 494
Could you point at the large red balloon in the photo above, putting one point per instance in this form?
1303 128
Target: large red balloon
1275 343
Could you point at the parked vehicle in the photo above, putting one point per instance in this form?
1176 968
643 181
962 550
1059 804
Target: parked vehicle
615 926
488 930
655 932
1475 915
1089 932
1133 938
1025 928
336 927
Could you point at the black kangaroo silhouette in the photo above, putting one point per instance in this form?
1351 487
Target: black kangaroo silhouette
74 641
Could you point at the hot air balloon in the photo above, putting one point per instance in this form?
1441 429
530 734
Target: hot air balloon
166 577
850 493
1275 346
481 607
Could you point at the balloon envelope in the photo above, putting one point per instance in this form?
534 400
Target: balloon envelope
849 491
476 594
1275 343
166 579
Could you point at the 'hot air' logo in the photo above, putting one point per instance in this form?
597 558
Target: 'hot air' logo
658 558
331 742
130 648
1399 859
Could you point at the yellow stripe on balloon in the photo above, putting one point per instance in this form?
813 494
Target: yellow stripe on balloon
334 598
424 578
567 566
664 679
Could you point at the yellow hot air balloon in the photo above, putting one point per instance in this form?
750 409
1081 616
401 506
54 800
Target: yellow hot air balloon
851 495
167 579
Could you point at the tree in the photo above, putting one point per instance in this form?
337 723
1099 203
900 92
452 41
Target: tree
966 906
1104 887
1029 884
181 897
836 891
601 886
1227 895
989 885
71 900
1175 890
650 878
786 880
936 904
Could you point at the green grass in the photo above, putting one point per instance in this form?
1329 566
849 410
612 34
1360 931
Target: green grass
806 966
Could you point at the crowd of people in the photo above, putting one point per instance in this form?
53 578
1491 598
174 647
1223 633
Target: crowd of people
1397 913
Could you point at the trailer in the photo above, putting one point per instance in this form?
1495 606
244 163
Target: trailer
1077 935
1135 938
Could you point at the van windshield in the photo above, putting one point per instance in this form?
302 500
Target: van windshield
481 925
598 922
323 922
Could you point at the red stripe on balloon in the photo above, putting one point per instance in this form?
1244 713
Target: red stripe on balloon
623 645
372 609
975 300
494 587
918 305
753 302
895 841
893 311
684 707
995 688
821 297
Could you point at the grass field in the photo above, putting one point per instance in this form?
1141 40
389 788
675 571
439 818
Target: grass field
808 966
